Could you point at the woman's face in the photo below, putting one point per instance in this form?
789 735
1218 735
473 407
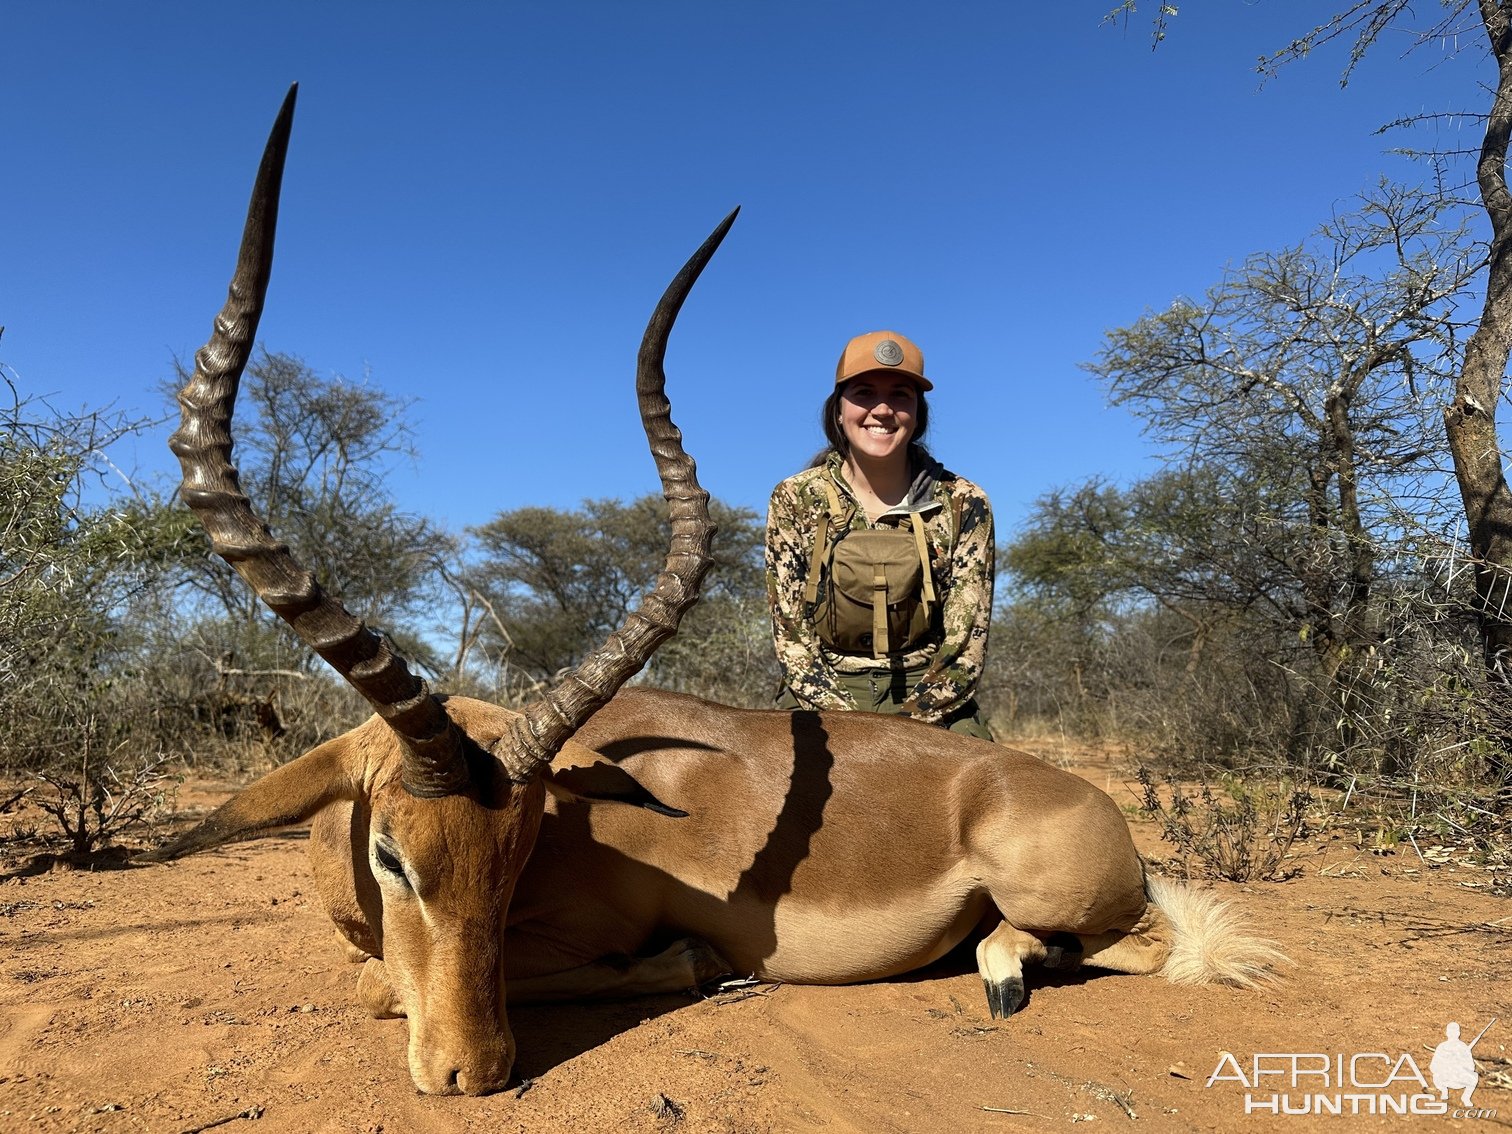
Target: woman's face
878 415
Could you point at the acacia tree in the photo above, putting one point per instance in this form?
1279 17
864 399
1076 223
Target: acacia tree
315 453
548 584
318 450
1303 389
1198 542
75 552
1469 418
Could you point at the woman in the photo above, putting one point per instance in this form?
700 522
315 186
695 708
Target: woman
879 561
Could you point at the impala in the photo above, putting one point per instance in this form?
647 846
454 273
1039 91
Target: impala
463 849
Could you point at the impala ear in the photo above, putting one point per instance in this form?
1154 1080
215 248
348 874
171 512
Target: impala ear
286 795
602 782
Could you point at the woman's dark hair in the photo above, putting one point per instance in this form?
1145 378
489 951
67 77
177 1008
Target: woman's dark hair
829 421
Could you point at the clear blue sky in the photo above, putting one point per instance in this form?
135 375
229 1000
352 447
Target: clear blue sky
484 200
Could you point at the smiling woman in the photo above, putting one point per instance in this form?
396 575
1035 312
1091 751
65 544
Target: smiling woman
879 560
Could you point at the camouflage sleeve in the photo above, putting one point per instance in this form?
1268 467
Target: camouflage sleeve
951 679
789 545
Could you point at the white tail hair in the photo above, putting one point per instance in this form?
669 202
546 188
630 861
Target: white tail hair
1210 943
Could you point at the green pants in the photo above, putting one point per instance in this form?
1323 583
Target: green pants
884 691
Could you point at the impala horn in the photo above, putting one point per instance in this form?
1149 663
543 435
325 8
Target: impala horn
433 763
433 747
535 738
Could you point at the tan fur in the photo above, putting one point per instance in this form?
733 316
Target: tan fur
817 848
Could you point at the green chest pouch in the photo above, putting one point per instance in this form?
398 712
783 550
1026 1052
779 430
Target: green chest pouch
880 597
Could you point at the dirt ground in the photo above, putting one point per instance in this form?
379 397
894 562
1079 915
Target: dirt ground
210 995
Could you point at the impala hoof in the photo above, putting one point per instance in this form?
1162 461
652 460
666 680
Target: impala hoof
1004 996
705 963
1063 951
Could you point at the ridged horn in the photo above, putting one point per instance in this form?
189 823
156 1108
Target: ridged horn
537 735
433 763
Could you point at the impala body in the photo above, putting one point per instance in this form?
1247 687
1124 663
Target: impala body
812 848
682 839
820 847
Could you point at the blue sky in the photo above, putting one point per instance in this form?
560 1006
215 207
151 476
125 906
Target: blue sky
483 202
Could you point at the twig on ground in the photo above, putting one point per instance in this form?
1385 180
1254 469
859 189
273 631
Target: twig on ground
1123 1100
741 990
1415 847
252 1112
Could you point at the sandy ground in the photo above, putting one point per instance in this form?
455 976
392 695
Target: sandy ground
210 995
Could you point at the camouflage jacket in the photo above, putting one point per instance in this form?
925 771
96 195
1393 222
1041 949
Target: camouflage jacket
961 562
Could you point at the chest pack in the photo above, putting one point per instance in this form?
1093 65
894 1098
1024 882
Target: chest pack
880 595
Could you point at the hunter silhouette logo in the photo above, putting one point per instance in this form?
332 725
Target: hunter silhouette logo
1452 1066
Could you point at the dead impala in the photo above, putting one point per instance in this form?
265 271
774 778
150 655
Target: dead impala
805 847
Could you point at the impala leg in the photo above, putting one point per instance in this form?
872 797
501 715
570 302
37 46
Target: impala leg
352 952
375 993
1000 959
1063 951
683 965
1139 950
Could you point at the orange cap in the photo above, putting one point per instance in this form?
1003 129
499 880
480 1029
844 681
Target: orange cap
884 351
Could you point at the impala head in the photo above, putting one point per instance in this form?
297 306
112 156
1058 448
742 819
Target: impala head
451 790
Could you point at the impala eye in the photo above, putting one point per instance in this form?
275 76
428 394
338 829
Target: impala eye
389 861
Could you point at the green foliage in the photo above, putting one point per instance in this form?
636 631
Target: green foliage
1065 554
121 636
314 454
1240 833
555 583
1399 337
125 642
1256 593
69 567
56 554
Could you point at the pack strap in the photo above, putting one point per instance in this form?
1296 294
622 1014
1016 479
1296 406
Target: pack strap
916 522
880 644
821 542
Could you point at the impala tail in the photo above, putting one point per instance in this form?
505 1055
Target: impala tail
1210 943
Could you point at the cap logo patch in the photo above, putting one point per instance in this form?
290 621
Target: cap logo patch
888 353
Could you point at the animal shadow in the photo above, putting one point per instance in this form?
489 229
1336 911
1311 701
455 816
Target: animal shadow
549 1035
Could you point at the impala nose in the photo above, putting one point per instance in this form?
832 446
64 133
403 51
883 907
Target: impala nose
479 1071
482 1080
473 1080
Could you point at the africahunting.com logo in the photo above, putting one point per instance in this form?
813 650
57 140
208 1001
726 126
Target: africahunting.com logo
1365 1082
